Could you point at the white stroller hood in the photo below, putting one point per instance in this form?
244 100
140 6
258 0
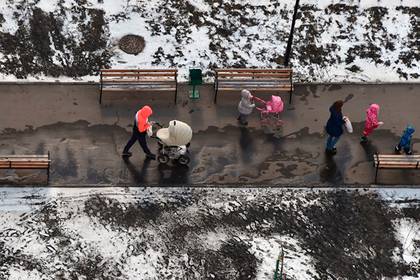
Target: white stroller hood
177 134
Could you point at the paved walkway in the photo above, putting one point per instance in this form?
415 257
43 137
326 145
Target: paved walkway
86 139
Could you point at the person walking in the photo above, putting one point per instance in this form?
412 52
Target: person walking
245 106
334 126
405 141
371 122
142 127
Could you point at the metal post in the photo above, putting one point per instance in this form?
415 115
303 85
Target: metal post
276 272
282 262
48 170
291 86
290 40
100 93
176 85
217 88
215 80
279 259
290 96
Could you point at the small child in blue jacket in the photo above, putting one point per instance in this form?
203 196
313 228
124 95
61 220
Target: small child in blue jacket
405 142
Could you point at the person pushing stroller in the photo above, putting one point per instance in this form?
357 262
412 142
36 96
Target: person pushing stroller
142 127
245 106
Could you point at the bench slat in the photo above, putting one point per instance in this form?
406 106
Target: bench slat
396 166
396 156
23 156
25 160
254 82
30 167
29 164
29 161
400 158
397 161
139 70
150 85
136 89
139 75
257 89
111 86
253 85
237 70
143 81
256 75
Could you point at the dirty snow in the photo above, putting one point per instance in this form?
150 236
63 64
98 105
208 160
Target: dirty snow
186 233
209 34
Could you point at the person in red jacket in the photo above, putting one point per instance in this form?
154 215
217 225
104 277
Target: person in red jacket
140 131
371 123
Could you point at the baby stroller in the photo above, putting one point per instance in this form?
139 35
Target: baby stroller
174 142
272 109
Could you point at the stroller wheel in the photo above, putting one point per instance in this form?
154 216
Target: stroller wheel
264 122
279 122
163 159
184 160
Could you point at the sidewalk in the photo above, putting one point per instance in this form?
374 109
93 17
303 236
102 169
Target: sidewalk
86 139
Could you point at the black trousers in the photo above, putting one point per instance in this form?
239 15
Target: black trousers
137 136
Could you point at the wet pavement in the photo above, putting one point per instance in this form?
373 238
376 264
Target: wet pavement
85 139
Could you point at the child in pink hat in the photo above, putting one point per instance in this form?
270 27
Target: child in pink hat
371 122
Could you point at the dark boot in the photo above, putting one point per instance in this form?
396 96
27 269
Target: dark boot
151 156
363 140
331 152
126 154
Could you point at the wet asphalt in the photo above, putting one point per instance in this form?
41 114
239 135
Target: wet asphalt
85 139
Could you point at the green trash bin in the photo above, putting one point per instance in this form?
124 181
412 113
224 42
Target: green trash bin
196 79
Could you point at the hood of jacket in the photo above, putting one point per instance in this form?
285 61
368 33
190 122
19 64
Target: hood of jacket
372 115
146 111
142 118
246 106
245 94
409 130
373 110
407 135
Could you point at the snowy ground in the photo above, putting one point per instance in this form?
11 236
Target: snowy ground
208 233
334 40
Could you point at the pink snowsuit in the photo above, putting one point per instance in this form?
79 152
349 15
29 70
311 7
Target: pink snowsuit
371 119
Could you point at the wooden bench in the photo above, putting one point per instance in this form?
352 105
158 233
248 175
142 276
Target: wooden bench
133 80
255 80
26 162
395 162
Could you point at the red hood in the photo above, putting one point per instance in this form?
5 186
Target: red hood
142 118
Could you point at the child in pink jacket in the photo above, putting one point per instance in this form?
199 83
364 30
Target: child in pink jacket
371 122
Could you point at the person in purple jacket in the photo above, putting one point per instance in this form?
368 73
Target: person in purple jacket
334 126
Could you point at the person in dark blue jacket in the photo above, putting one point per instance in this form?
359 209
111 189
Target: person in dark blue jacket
405 141
334 126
